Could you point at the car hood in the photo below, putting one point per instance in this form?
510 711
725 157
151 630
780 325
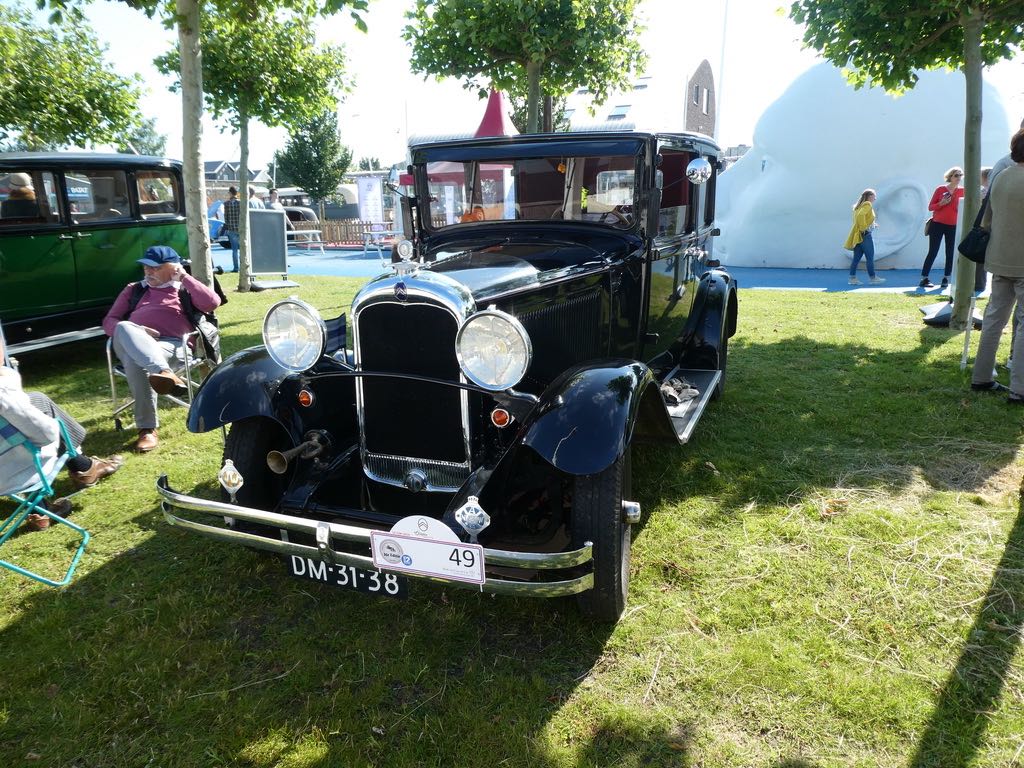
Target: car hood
489 267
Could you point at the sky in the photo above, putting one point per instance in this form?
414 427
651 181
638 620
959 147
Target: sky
762 55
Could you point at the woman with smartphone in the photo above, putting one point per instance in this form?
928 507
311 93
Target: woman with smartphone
944 205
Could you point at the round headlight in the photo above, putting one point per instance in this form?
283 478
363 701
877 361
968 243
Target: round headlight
494 349
294 335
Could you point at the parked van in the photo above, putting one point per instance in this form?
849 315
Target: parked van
72 226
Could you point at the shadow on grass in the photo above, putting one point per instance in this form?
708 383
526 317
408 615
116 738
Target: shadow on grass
801 416
179 653
957 727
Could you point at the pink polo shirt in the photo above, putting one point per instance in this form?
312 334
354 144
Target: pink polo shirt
160 308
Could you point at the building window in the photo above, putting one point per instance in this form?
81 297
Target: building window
640 87
696 94
569 113
707 99
619 112
583 91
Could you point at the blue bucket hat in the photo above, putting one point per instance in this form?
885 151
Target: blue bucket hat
156 255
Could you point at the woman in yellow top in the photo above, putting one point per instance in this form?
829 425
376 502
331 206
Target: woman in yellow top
859 240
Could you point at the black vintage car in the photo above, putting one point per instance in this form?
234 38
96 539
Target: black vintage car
471 422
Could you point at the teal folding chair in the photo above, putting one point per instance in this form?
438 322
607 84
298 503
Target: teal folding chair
30 498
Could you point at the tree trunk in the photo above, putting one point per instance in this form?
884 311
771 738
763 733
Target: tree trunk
965 270
244 255
192 133
549 118
532 96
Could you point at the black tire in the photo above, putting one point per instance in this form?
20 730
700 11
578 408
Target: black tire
247 445
597 517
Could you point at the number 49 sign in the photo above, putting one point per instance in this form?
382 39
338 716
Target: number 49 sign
428 557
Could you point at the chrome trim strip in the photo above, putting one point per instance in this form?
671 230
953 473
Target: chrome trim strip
437 472
324 532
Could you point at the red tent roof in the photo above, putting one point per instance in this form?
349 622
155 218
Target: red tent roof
496 121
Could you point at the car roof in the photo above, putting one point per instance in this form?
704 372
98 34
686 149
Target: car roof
417 143
81 159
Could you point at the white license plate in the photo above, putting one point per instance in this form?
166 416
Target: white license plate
348 577
428 557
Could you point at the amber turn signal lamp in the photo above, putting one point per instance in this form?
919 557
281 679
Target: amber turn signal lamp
305 398
500 417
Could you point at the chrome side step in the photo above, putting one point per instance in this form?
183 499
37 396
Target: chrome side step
686 415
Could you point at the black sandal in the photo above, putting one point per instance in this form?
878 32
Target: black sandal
990 386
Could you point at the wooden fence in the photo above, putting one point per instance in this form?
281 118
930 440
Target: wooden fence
346 231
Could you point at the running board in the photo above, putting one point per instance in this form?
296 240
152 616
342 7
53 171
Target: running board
32 345
686 415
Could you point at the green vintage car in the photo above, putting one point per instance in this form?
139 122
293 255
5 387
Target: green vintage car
71 228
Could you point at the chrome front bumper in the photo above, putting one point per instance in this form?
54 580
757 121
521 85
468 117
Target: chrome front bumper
323 533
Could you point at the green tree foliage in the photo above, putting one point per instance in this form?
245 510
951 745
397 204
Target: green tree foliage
55 88
519 116
314 157
264 64
369 164
883 42
545 46
144 139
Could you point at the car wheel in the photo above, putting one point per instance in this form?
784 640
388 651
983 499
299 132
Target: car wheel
247 445
598 517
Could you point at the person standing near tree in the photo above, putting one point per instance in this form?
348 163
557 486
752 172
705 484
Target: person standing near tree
254 202
1004 258
944 205
231 218
859 240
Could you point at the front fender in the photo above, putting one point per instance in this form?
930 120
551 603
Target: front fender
242 386
586 417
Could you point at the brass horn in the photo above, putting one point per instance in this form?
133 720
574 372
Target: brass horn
278 461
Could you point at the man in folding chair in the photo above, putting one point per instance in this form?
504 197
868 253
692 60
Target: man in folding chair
35 416
147 327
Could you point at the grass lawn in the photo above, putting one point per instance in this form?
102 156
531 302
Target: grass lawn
832 574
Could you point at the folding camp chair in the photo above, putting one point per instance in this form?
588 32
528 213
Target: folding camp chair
190 365
30 498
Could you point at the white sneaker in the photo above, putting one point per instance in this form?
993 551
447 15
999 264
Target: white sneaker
854 281
876 280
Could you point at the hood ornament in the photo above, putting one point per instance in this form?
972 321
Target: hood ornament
405 264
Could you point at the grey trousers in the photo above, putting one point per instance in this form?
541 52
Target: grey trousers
75 430
1006 291
141 355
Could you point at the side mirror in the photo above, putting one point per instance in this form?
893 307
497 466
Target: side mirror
699 170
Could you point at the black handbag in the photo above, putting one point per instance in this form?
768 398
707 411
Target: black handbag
975 243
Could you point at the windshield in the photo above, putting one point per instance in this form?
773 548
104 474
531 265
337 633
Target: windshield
597 189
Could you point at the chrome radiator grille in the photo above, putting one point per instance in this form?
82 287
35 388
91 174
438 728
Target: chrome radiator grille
408 424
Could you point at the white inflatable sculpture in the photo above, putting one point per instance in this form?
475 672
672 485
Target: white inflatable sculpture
788 201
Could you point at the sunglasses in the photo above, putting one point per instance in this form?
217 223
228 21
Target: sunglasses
957 175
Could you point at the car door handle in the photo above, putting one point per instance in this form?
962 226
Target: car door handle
82 235
65 237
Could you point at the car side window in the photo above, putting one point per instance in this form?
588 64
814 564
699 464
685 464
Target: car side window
674 216
97 196
28 197
158 194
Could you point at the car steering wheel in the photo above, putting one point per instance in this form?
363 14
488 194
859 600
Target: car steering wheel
619 212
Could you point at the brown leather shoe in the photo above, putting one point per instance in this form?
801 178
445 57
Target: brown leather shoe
100 468
147 441
166 382
37 522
